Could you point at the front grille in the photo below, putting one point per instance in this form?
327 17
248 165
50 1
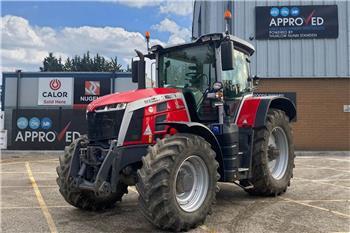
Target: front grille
104 125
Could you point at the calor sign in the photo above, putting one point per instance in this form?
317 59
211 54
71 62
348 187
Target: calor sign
55 91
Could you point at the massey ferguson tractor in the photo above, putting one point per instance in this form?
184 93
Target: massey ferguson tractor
199 125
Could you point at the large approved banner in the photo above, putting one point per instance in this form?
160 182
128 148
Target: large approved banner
296 22
87 90
46 129
55 91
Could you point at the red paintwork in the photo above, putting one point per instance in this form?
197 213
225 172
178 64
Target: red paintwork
176 111
248 112
128 96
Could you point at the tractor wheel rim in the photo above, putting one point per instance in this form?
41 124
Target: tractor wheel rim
191 183
278 140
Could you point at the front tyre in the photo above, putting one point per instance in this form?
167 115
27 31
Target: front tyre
85 200
273 156
178 182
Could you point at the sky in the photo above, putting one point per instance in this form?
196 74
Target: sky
32 29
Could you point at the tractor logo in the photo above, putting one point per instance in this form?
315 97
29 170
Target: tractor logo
55 84
92 87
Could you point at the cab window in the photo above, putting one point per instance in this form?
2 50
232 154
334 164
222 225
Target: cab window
235 81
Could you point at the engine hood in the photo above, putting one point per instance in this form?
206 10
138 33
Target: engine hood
128 97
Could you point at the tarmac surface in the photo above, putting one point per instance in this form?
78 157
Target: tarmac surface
318 200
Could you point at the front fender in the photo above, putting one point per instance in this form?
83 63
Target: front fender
203 131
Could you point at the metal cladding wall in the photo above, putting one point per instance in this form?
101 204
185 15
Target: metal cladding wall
293 58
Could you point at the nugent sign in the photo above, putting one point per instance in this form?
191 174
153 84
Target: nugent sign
296 22
87 90
55 91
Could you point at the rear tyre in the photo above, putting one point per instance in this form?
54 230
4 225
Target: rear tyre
85 200
273 156
178 182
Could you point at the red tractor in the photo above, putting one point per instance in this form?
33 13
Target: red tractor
201 125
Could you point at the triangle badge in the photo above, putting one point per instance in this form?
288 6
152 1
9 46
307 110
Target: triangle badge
148 131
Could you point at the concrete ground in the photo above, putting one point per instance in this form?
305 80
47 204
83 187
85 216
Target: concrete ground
317 201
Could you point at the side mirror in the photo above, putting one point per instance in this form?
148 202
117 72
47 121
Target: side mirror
138 73
227 59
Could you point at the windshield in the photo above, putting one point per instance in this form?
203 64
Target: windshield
188 68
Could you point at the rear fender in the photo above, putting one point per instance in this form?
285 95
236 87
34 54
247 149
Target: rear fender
204 132
254 110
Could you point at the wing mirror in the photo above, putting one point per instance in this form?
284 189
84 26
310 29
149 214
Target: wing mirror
227 59
139 71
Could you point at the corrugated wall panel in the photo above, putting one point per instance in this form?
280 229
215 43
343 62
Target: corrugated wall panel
282 58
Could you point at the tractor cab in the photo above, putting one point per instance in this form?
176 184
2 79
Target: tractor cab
212 72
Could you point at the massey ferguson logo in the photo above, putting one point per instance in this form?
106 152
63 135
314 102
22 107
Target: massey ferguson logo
92 88
55 84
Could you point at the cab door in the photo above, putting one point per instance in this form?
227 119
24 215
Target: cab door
235 84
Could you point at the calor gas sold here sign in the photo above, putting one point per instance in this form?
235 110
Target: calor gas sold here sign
55 91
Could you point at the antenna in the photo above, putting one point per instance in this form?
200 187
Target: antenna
227 17
147 35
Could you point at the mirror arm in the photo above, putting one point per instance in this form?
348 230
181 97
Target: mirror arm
140 55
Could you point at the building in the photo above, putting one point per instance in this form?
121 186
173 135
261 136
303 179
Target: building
303 49
46 110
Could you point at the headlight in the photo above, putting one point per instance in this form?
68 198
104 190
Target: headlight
111 107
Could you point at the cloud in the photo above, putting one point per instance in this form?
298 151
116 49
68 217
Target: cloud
178 34
24 46
179 7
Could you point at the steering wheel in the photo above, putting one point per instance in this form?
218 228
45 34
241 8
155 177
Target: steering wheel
192 74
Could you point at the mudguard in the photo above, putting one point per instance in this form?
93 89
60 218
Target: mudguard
206 133
254 110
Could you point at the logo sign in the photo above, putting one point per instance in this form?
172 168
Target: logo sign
46 129
92 87
55 91
296 22
87 90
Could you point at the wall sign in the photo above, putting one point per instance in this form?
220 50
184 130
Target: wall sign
87 90
46 129
55 91
296 22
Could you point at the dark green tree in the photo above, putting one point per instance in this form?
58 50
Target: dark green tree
51 63
85 63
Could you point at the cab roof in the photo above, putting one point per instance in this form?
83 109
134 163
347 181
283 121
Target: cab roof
239 44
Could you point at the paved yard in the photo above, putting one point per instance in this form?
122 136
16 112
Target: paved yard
317 201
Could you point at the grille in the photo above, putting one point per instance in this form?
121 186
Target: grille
104 125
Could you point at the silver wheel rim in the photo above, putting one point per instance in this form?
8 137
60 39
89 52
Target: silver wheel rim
191 183
278 153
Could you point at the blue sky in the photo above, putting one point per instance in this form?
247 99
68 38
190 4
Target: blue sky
67 28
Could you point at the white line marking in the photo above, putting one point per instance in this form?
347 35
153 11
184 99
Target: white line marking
26 172
41 201
320 182
316 207
8 162
323 158
32 207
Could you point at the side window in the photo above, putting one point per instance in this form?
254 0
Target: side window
236 81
